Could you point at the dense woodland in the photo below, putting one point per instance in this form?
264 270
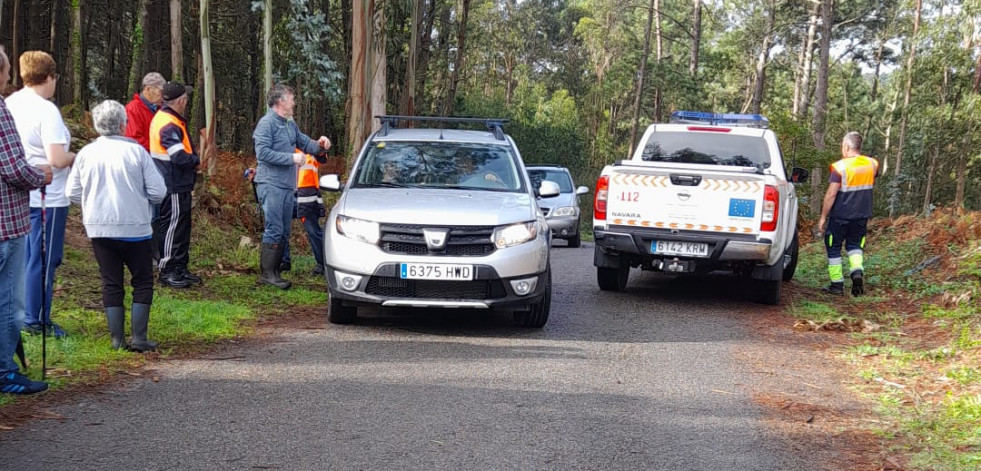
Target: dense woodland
579 79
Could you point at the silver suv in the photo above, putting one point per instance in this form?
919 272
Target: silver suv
434 217
562 212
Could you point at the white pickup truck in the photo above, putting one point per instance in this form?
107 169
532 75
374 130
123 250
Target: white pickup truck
706 192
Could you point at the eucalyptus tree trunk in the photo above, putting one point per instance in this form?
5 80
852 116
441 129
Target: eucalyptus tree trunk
139 48
761 61
961 172
659 55
910 61
821 100
409 102
78 68
267 64
459 63
15 46
176 42
641 77
378 65
53 42
696 38
357 101
207 71
802 85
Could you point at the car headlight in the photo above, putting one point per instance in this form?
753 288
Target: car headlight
358 229
515 234
564 211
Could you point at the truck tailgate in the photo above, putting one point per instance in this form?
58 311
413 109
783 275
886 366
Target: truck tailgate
685 199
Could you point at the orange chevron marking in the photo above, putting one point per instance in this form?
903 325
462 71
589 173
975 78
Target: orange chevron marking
618 221
659 224
645 223
733 229
673 225
718 228
689 226
748 230
703 227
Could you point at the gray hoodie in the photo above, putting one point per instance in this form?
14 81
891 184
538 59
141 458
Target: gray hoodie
114 179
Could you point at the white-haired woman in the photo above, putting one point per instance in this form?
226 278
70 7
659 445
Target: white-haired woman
115 180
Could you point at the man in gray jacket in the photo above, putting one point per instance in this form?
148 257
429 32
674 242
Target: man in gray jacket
279 149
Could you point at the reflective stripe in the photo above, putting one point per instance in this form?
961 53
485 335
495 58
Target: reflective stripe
308 167
175 148
309 199
834 261
855 252
163 157
846 189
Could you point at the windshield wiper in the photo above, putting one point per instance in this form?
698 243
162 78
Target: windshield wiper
384 185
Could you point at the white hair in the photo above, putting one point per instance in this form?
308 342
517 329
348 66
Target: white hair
109 117
153 79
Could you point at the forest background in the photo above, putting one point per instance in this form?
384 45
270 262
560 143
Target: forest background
579 79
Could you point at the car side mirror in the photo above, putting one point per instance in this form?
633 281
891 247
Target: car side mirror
799 175
548 189
582 190
330 183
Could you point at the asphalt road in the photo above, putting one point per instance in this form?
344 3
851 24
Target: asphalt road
641 380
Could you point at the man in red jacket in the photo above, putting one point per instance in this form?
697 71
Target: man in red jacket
140 110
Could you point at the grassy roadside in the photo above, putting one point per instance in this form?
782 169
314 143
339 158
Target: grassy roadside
183 321
913 344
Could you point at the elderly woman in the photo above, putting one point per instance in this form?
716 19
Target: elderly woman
115 181
46 139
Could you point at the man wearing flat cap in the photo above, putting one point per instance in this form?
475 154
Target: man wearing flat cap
174 154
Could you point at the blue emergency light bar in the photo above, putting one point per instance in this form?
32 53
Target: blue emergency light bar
720 119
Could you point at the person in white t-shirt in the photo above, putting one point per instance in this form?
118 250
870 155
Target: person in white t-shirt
46 141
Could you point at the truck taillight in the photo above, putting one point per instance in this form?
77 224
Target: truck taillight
599 203
771 209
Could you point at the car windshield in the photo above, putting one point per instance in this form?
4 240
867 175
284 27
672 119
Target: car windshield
560 177
707 148
451 165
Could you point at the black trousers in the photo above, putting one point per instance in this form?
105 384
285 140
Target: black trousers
172 229
112 255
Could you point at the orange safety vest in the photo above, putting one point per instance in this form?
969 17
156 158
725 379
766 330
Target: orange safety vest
308 175
161 120
854 199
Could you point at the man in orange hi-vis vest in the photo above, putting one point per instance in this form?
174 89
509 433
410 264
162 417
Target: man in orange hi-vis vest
846 210
309 209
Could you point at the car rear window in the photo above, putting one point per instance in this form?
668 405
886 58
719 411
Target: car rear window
707 148
558 176
452 165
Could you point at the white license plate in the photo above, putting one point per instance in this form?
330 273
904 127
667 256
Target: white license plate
435 271
670 247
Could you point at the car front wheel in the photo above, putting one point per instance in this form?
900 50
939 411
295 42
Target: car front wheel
338 313
537 315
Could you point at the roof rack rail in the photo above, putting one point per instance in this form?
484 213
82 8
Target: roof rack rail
720 119
494 125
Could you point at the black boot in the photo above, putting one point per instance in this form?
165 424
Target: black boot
269 260
836 288
858 283
139 318
116 318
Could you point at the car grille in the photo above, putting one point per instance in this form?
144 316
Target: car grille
463 241
391 287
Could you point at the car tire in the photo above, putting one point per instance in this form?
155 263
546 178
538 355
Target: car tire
613 279
793 251
338 313
537 315
575 241
767 292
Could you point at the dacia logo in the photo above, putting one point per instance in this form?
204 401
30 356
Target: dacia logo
435 238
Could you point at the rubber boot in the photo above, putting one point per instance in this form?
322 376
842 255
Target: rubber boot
858 284
140 317
116 317
269 260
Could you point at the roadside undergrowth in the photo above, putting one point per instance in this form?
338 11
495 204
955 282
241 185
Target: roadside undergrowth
913 342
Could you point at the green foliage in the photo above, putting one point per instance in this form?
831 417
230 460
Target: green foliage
301 59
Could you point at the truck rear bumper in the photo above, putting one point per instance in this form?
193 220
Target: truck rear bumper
728 248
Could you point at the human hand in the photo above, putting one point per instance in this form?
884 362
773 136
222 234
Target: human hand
324 142
47 172
299 158
250 174
821 223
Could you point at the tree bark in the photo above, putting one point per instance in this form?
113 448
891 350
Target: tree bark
908 90
379 83
139 48
356 81
696 38
267 63
53 36
659 55
176 42
78 67
409 103
821 99
802 86
34 30
761 61
459 63
208 143
15 46
425 49
641 77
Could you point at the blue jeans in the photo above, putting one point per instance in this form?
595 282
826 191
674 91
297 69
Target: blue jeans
277 212
13 255
315 235
54 245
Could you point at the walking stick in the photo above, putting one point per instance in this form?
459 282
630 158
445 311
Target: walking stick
44 285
